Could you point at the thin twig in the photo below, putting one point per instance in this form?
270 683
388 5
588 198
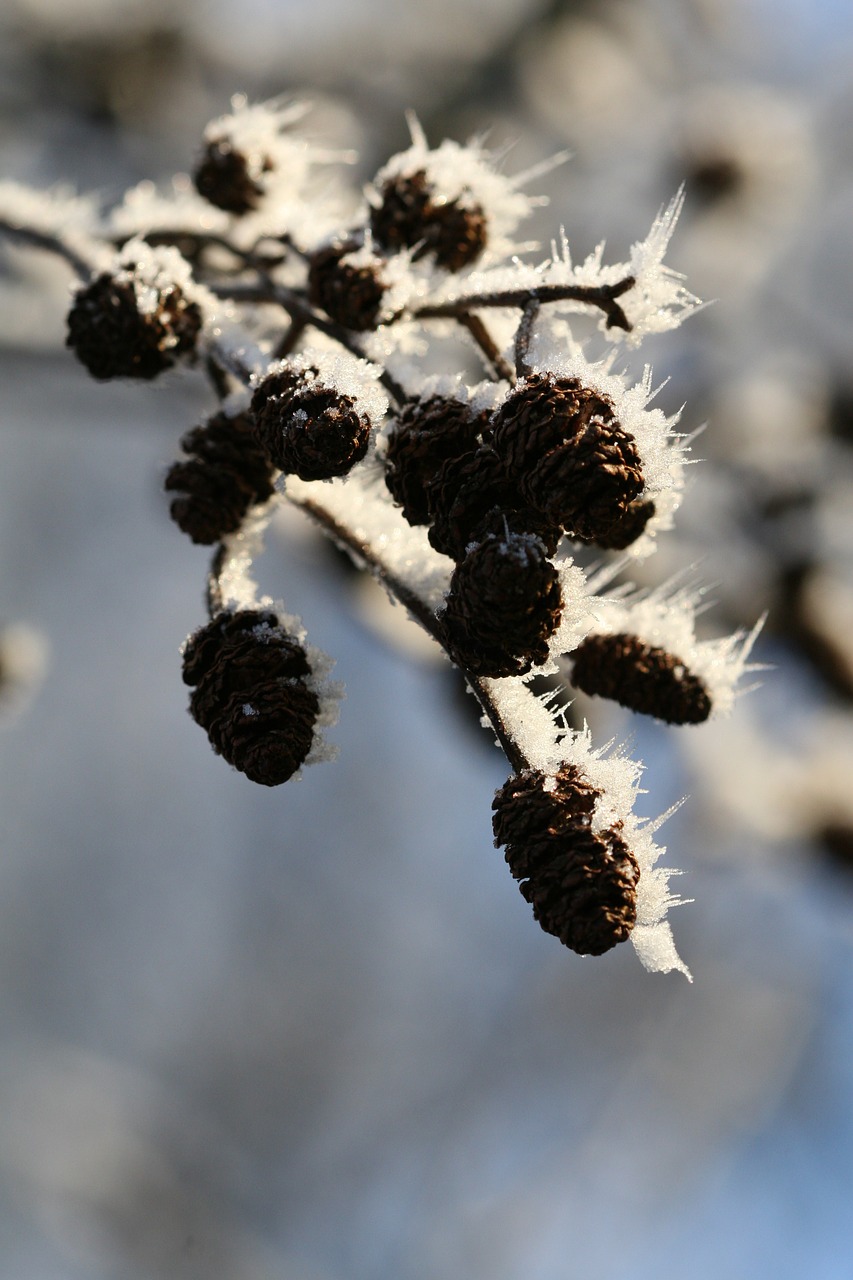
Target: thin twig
288 340
230 363
418 609
300 311
602 296
498 365
218 377
213 593
51 243
201 240
523 336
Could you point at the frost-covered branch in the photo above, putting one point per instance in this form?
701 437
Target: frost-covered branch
49 241
496 362
469 503
601 296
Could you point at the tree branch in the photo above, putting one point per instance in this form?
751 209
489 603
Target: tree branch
602 296
51 243
500 367
302 313
418 608
523 336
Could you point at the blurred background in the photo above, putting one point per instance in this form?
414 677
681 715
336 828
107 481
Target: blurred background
314 1033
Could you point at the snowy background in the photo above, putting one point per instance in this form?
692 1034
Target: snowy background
313 1033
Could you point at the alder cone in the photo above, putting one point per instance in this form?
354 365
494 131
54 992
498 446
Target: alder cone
250 694
203 647
114 339
222 178
585 894
308 430
471 496
268 736
426 434
641 677
413 215
503 605
236 653
572 460
581 884
528 817
226 473
349 294
629 526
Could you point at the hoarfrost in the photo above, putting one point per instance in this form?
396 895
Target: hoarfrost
665 618
343 372
466 175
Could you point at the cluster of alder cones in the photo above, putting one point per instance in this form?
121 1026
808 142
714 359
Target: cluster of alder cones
496 487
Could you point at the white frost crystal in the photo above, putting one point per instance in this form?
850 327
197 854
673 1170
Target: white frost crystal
256 131
153 271
656 302
146 208
339 371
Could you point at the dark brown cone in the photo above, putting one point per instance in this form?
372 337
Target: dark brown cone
308 430
412 216
113 339
570 457
202 649
426 433
269 735
240 672
235 653
581 884
350 295
227 472
471 496
628 528
503 605
222 177
527 817
641 677
250 694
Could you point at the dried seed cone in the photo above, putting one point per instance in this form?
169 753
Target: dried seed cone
251 695
226 473
269 735
581 884
349 294
307 429
629 526
571 458
471 496
426 434
640 676
114 339
413 215
503 605
222 177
